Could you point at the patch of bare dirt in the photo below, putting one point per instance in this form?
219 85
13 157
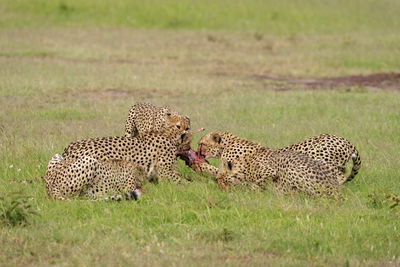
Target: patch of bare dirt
389 81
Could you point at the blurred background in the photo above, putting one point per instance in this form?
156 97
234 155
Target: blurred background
275 72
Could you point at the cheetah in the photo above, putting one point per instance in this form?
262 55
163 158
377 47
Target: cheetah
331 149
223 145
145 117
92 178
152 150
287 171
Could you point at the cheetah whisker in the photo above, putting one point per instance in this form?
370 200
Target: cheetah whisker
198 131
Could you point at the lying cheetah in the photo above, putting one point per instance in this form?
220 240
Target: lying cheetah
152 150
288 171
146 117
89 177
331 149
225 146
334 150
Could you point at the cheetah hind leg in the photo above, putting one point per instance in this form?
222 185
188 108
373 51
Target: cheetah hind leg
135 194
341 178
132 195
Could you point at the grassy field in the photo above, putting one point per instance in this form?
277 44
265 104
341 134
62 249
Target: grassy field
71 70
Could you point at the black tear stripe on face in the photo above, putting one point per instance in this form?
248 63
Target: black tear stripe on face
230 165
183 137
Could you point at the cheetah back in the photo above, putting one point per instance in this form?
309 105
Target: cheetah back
87 176
146 117
331 149
156 150
288 171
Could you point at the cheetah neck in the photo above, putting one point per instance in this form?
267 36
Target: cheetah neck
229 139
158 119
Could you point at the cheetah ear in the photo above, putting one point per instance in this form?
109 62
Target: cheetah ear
229 165
217 138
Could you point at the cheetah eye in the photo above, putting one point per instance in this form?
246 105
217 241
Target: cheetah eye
187 129
178 126
168 114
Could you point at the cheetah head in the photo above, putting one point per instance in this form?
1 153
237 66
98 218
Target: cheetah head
211 145
181 140
174 119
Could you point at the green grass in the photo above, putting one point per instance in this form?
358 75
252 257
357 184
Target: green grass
71 70
283 17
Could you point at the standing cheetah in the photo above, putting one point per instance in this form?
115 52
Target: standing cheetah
145 117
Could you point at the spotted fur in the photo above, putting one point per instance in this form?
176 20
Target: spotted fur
225 146
331 149
157 150
86 176
146 117
288 171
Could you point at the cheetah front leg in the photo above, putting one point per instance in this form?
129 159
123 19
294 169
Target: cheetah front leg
170 175
167 171
222 182
205 167
225 181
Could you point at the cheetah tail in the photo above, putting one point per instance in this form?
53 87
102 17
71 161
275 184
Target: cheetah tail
356 165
